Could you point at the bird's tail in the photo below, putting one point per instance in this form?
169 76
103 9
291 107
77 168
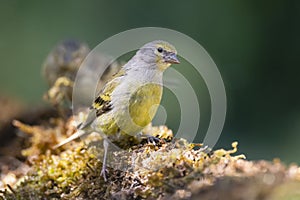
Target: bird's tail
76 135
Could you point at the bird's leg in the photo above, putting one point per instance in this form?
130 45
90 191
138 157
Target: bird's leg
103 170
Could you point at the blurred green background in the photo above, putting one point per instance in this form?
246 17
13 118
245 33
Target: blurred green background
255 44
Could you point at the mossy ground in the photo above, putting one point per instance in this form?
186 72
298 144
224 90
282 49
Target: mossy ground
170 169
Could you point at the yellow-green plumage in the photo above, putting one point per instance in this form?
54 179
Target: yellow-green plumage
144 103
142 108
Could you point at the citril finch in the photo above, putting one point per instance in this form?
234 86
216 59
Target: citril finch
128 102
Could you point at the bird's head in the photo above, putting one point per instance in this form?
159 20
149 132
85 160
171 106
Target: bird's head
158 52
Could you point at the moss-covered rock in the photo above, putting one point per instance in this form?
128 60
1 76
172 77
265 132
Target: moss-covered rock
170 169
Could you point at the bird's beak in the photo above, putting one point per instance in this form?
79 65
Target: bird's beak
171 58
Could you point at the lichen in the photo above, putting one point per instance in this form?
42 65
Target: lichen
170 169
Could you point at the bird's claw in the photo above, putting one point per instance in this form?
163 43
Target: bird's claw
103 173
153 140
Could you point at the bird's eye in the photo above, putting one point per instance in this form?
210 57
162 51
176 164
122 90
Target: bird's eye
160 50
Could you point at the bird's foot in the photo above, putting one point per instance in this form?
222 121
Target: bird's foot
103 172
153 140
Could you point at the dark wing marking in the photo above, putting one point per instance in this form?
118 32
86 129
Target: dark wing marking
102 103
102 106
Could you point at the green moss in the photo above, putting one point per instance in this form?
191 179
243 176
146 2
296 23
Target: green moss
173 169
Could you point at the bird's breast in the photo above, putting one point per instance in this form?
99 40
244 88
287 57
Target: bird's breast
135 109
144 102
135 100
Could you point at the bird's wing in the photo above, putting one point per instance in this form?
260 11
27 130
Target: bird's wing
100 106
102 103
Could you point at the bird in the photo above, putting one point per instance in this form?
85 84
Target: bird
128 102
